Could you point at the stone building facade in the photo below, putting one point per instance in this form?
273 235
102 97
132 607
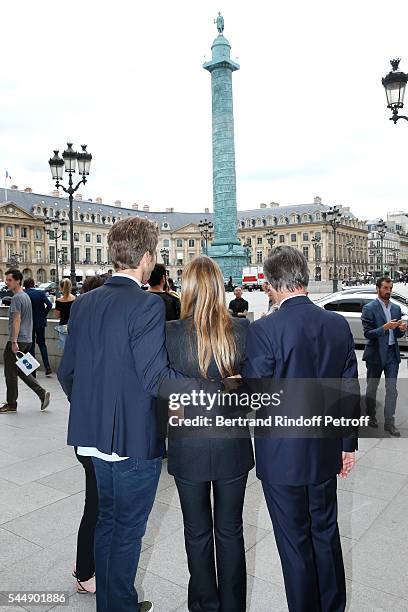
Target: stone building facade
179 241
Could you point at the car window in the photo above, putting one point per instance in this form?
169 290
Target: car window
352 305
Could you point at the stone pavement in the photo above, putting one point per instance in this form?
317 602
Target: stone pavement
41 498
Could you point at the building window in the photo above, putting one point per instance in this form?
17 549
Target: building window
24 232
99 238
24 252
39 255
38 233
64 235
191 256
87 237
98 256
76 236
64 254
88 255
51 254
305 237
259 240
318 235
191 242
259 257
9 231
76 254
179 243
281 238
306 252
166 243
293 237
249 241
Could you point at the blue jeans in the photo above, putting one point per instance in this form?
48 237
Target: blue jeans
126 492
374 372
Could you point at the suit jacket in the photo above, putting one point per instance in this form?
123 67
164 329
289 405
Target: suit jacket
373 319
41 307
114 360
301 340
202 458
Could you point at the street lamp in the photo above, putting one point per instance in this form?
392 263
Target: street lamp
394 84
51 227
316 246
13 259
333 216
271 237
206 228
248 252
164 252
69 161
382 230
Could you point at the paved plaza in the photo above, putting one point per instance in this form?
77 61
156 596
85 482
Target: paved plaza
41 498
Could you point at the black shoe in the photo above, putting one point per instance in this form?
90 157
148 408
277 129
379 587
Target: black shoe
372 421
45 400
48 372
146 606
392 430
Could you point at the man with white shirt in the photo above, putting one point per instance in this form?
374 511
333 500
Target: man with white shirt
113 364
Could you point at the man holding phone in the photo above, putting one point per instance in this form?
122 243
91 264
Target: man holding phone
382 326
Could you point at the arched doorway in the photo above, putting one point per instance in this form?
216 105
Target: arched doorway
27 273
41 275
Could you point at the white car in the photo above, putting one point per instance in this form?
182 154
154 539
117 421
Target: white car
349 304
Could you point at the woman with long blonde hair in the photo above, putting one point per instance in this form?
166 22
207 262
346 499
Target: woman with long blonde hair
208 343
63 308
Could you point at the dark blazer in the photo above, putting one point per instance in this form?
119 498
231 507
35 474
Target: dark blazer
41 307
202 459
373 319
113 362
300 340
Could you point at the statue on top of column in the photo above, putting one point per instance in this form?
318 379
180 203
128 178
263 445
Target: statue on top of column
220 23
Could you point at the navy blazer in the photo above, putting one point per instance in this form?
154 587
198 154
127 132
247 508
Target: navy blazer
114 360
373 319
41 307
300 340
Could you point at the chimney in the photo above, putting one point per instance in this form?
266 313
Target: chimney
79 197
207 211
14 187
55 193
135 206
118 203
169 210
146 207
28 190
262 205
317 200
273 205
98 200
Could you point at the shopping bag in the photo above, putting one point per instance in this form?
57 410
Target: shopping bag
27 363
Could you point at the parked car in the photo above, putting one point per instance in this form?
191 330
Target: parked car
49 288
5 296
349 303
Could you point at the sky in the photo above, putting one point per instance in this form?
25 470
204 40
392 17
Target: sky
126 78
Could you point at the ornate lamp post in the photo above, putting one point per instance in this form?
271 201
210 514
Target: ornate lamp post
164 252
248 252
394 84
69 161
52 227
350 249
271 237
381 230
13 260
316 246
206 228
333 216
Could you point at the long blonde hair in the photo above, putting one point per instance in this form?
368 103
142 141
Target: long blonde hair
65 286
203 299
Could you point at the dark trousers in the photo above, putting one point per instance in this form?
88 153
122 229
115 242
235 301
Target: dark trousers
374 372
85 558
11 372
126 492
204 594
304 521
39 338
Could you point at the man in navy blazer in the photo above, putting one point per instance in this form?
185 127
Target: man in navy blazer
382 326
114 361
41 306
302 340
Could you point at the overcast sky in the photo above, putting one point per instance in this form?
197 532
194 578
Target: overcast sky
126 78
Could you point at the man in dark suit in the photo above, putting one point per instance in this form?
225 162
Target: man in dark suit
302 340
114 361
41 307
382 327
